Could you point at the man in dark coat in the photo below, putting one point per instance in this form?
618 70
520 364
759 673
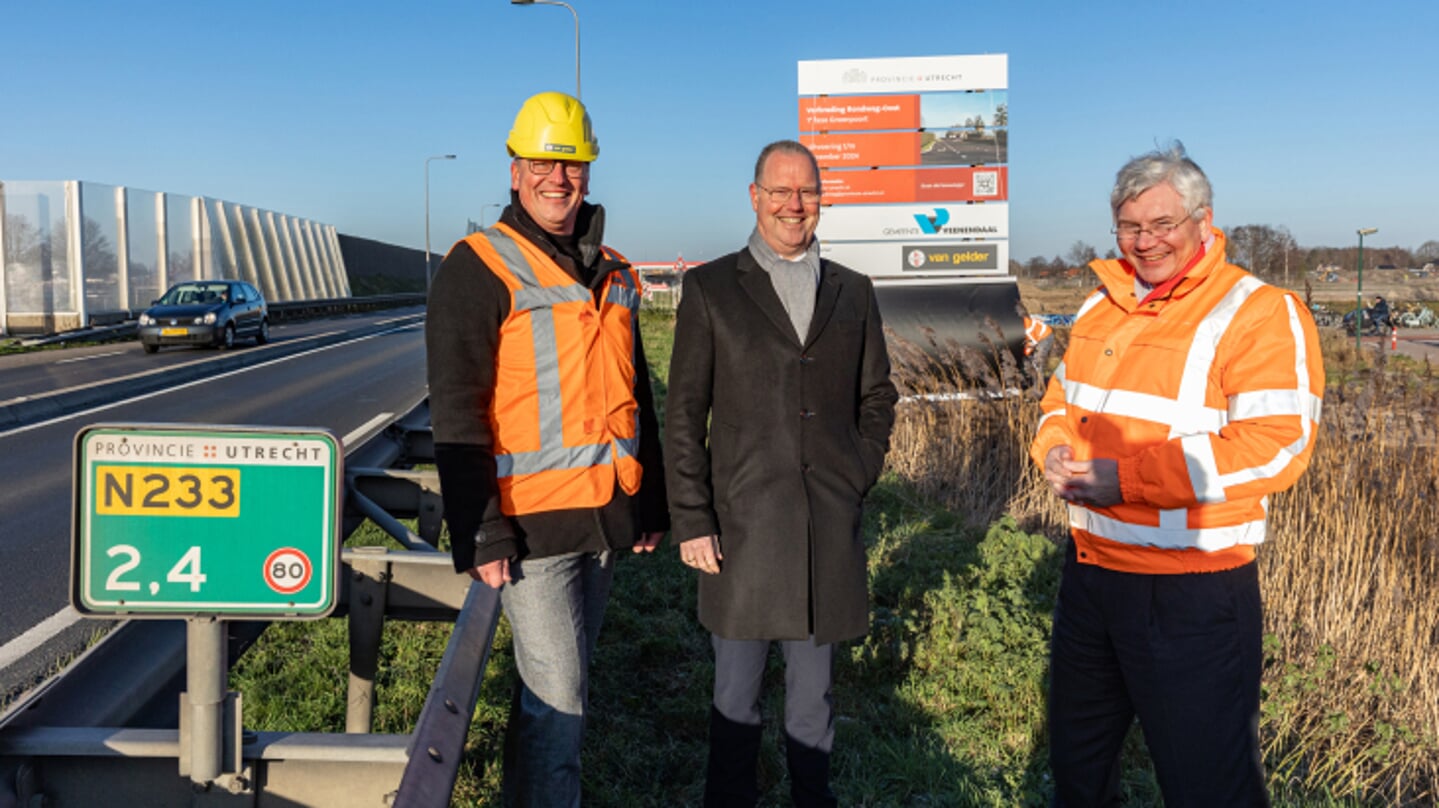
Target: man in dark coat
777 422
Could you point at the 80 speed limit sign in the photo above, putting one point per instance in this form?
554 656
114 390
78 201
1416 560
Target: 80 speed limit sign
288 570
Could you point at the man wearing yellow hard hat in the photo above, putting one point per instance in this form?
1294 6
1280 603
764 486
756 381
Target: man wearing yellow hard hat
545 432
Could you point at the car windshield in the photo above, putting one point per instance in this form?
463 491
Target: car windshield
195 294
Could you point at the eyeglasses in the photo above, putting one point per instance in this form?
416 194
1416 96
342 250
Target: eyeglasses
1130 231
543 168
779 196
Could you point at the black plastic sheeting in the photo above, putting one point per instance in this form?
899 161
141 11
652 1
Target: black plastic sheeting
942 317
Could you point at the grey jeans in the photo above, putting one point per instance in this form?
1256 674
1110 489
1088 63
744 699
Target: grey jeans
555 606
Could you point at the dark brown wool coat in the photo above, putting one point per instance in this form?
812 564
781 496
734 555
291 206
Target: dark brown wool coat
772 444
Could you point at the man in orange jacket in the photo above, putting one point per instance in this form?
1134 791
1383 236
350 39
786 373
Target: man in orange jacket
1190 392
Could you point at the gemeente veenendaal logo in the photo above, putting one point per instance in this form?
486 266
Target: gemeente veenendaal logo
932 224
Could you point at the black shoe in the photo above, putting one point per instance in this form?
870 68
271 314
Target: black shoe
732 778
808 775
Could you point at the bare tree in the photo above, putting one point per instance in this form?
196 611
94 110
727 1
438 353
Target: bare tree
1080 254
1261 249
1036 267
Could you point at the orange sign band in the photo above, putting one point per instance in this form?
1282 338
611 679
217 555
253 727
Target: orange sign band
948 184
844 113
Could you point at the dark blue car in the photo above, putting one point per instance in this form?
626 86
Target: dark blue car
206 313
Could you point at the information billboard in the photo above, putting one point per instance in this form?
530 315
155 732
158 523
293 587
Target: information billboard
914 162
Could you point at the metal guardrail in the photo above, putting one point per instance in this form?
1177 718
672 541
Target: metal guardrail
109 730
121 324
306 309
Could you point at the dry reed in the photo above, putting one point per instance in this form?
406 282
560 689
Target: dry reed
1352 614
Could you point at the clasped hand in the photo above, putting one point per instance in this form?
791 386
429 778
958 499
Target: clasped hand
1083 482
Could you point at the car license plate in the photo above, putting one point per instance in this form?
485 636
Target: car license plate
174 332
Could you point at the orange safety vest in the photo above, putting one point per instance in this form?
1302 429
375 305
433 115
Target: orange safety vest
1209 399
1035 332
564 417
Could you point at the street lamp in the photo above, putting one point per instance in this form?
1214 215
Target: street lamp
427 215
577 31
1359 288
484 208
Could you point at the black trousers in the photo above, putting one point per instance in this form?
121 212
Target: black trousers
1180 652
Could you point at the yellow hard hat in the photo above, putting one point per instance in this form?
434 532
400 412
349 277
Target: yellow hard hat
553 126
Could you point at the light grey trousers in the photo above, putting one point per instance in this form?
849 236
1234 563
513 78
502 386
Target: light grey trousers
808 686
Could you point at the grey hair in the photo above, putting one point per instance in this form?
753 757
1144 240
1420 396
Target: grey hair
1171 165
787 147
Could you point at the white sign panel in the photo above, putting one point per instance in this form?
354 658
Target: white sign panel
917 261
916 74
916 223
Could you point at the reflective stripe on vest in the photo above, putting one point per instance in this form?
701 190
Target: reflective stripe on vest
556 474
1173 532
624 291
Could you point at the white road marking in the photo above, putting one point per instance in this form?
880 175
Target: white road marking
88 358
39 634
354 437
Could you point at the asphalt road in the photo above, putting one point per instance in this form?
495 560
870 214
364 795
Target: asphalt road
377 371
964 152
1419 344
43 373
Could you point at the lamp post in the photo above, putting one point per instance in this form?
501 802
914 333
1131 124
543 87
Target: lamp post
427 215
484 208
577 31
1359 288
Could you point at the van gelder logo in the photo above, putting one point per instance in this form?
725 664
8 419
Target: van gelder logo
931 224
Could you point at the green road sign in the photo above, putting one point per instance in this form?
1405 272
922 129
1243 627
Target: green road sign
178 521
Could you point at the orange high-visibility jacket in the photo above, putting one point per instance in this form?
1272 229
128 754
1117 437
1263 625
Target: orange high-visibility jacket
1209 399
565 421
1035 332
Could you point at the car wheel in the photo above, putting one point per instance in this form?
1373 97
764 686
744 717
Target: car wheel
227 340
151 348
263 335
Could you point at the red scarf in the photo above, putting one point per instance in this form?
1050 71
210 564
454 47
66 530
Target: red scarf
1168 286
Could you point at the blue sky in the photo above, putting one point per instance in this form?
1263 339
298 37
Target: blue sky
1319 116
